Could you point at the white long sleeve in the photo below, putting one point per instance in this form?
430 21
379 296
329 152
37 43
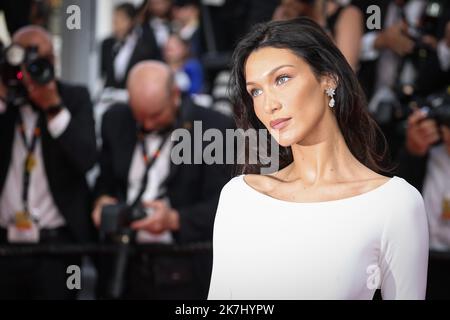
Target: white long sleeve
404 251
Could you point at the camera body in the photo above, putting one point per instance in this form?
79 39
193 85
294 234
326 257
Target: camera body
437 108
427 25
12 60
117 217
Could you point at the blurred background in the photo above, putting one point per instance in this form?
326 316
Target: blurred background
399 49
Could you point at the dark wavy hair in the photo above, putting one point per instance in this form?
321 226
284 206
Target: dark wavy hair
307 40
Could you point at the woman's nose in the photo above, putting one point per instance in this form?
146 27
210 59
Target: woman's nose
272 105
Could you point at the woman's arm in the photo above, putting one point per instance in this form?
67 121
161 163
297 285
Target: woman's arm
349 32
404 246
220 278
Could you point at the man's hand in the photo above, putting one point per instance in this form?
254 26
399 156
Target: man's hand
421 134
3 94
97 213
430 41
3 91
395 39
163 218
44 96
447 34
446 137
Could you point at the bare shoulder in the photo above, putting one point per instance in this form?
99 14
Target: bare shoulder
377 179
368 182
279 186
350 17
262 183
266 183
351 12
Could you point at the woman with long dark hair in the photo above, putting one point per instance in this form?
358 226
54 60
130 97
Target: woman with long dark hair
328 224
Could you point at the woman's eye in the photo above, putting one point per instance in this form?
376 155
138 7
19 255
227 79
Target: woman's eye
255 92
282 79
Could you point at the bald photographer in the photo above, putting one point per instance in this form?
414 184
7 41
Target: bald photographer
141 189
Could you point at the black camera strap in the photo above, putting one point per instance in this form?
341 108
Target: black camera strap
30 160
149 161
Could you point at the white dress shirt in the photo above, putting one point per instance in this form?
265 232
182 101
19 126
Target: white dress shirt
436 187
122 59
413 10
161 30
188 31
389 62
40 200
157 174
443 52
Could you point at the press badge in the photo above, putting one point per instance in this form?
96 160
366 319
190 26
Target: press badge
23 229
446 208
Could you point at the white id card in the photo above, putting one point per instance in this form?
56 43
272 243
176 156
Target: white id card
21 235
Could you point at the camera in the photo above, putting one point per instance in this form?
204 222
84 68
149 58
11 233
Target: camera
117 217
428 25
114 227
12 60
437 107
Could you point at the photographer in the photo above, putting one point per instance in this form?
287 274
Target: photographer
47 144
402 59
425 163
180 200
433 73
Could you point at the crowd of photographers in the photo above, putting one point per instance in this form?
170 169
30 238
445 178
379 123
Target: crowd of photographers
51 137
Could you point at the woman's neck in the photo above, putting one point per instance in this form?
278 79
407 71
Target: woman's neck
328 158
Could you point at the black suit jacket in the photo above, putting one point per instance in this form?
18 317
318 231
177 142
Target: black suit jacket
17 14
66 159
368 69
146 49
430 76
412 168
193 190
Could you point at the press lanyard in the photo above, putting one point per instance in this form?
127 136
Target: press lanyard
149 161
30 160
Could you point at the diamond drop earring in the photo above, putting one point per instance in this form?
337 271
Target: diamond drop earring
331 92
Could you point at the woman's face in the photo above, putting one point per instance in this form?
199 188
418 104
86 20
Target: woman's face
287 97
159 8
122 24
185 14
175 50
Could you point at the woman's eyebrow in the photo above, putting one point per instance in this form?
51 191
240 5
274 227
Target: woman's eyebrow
272 72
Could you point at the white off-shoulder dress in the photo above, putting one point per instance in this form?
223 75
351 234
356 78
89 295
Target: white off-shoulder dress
269 249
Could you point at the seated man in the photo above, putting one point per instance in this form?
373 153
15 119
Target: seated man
182 198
